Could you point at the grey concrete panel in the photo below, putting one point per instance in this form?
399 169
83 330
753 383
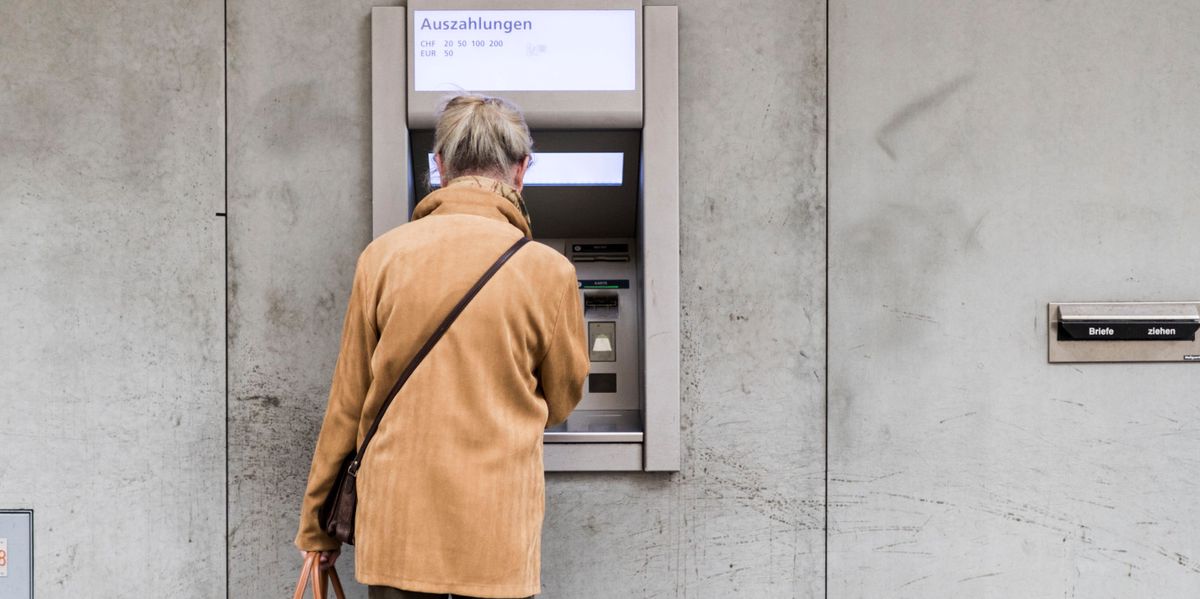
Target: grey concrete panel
744 517
745 514
990 158
112 404
299 214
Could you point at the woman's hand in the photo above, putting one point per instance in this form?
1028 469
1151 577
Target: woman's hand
327 557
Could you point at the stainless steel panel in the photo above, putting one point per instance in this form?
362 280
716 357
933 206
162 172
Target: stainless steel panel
617 437
592 457
659 239
1121 351
1129 311
627 317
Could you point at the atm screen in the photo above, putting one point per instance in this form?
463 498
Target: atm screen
524 50
573 172
563 169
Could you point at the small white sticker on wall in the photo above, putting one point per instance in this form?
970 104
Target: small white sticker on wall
3 558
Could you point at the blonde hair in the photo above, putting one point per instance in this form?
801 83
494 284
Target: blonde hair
481 135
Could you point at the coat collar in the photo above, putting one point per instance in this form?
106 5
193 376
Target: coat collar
479 196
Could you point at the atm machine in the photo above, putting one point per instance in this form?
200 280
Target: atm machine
598 83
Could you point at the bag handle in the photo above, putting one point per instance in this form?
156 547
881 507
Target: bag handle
312 574
305 573
425 349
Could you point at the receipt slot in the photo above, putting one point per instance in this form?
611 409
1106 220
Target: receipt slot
1124 332
598 83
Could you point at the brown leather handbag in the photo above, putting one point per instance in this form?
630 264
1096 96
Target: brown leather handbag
337 513
320 579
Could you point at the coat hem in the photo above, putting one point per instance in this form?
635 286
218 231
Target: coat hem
453 588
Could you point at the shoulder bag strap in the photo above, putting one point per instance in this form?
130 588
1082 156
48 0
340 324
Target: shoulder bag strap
425 349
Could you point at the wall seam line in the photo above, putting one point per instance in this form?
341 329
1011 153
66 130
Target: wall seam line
225 142
827 324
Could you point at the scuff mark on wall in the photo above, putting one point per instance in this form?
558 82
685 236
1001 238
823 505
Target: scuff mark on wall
910 111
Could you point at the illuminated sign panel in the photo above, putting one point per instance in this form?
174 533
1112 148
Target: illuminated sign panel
593 169
524 50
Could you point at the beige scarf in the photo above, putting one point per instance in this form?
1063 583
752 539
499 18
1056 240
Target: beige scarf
500 188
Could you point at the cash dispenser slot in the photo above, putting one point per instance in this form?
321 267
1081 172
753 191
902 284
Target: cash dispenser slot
600 252
600 304
1128 322
595 302
601 259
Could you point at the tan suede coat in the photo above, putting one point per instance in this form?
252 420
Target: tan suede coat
451 490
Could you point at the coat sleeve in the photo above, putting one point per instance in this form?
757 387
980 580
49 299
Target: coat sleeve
339 431
566 363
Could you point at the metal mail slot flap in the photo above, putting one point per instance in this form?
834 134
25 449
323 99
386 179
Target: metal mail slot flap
1129 311
1128 322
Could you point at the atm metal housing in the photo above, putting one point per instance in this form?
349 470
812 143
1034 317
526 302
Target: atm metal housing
635 427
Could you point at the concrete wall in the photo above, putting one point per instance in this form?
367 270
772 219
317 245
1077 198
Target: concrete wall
988 158
299 214
112 403
745 516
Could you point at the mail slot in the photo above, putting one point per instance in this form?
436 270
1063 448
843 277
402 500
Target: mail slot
1126 322
1124 332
